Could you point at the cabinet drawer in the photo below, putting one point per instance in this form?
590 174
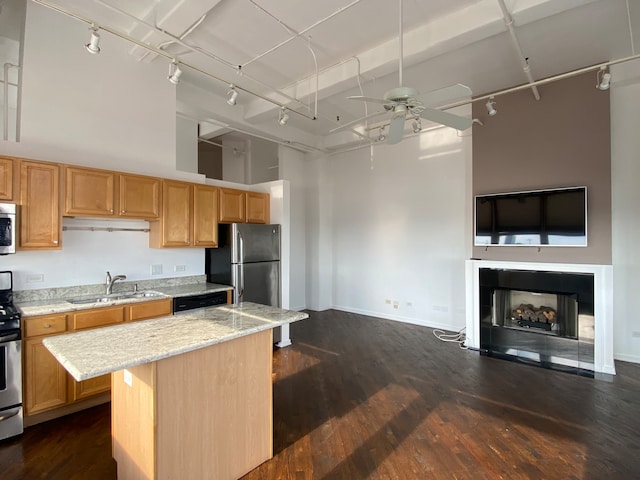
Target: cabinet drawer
144 310
97 318
45 325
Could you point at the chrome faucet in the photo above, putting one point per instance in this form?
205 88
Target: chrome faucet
110 281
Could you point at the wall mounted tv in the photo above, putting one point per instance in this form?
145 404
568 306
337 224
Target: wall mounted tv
556 218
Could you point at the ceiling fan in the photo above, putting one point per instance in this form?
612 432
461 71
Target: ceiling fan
406 101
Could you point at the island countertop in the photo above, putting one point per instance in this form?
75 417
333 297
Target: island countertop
95 352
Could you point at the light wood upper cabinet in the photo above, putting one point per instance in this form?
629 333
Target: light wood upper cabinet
101 193
88 192
40 226
205 216
257 207
240 206
6 179
139 196
232 206
188 217
174 227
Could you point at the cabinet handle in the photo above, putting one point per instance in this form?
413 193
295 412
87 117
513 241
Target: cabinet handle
46 325
123 211
55 242
111 210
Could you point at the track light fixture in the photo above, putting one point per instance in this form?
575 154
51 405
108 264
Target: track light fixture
381 136
233 95
283 117
491 106
93 46
174 72
417 125
603 79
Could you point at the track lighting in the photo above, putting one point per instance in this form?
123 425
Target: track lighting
491 107
417 125
381 136
603 79
283 117
93 46
233 95
174 73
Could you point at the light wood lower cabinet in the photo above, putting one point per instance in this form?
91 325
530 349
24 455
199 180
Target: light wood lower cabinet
46 383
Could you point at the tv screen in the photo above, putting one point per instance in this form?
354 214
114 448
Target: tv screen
555 217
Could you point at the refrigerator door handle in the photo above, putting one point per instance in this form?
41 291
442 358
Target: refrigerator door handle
240 258
240 284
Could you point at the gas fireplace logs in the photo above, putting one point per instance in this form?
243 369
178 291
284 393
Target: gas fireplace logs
530 316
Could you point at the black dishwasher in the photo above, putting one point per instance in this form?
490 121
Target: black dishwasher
198 301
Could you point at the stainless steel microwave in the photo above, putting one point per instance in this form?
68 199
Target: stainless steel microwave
7 228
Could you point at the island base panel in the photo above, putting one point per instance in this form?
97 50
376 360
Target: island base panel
209 414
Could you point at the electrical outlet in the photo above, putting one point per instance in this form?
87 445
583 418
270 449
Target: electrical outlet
396 304
35 278
387 301
179 268
156 269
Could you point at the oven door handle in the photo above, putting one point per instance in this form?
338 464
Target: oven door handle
9 338
10 414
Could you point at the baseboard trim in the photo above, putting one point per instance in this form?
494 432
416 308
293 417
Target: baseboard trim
399 318
626 358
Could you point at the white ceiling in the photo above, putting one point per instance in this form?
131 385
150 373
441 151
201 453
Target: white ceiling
445 42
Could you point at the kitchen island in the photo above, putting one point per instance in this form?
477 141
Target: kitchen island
191 393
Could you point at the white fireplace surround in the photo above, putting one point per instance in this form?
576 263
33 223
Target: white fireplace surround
602 299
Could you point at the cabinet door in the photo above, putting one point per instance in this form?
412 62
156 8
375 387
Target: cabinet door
232 206
145 310
97 317
88 192
40 212
257 207
175 224
6 179
89 388
139 197
45 382
205 216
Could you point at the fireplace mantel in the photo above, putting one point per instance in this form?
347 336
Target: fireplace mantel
603 302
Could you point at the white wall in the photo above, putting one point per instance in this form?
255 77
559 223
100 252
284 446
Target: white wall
293 168
625 199
186 145
264 161
106 111
234 160
400 221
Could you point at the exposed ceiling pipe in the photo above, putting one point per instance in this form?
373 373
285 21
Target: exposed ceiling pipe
508 21
181 37
302 32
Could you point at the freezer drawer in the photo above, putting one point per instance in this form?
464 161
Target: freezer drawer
257 282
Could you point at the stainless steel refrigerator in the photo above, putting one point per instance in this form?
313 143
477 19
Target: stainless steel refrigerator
248 258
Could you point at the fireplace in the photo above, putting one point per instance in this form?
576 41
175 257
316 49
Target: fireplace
551 315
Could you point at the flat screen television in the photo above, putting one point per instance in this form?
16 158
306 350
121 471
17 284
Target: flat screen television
555 217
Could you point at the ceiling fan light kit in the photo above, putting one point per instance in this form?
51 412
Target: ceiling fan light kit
404 100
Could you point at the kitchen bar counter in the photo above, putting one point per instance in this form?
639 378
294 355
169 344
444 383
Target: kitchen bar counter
191 394
92 353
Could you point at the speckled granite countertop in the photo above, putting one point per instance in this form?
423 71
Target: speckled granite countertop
60 305
91 353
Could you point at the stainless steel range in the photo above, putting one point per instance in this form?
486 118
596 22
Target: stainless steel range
10 361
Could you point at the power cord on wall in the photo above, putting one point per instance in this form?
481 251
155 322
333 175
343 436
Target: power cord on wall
458 337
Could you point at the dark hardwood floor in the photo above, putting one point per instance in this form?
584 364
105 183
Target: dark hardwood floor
357 397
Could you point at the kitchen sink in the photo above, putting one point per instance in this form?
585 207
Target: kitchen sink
114 297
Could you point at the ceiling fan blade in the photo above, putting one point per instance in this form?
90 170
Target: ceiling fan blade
396 129
371 99
444 95
448 119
